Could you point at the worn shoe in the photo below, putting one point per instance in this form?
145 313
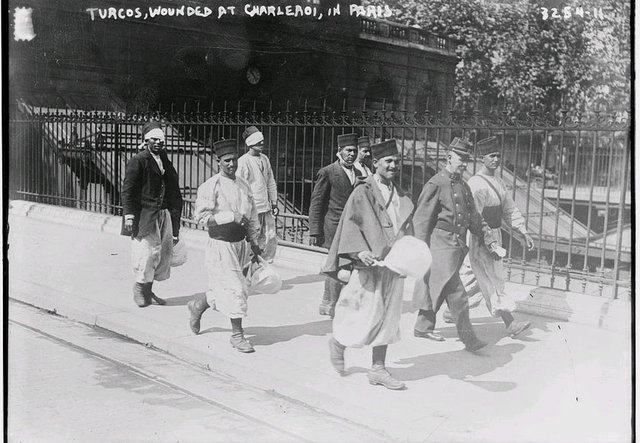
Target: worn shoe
448 318
326 310
475 345
241 344
382 377
140 297
197 306
430 335
336 355
517 327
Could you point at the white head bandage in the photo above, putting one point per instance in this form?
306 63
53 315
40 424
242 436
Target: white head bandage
155 133
254 138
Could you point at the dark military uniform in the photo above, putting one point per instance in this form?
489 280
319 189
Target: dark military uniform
445 211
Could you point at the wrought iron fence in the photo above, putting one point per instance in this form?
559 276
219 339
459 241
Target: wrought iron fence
570 177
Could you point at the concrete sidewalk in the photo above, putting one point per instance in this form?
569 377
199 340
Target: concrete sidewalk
573 376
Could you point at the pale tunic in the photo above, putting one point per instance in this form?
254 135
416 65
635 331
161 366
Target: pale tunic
219 197
488 272
370 306
256 170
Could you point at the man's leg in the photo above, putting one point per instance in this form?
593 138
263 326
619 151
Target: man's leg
237 337
457 300
378 375
145 256
268 239
426 319
332 288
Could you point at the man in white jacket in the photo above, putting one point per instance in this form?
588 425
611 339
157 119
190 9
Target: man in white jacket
255 168
495 203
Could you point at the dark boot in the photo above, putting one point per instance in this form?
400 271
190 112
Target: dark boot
140 296
197 306
466 333
153 296
329 297
237 339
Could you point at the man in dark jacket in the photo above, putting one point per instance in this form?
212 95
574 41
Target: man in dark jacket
444 213
333 187
151 207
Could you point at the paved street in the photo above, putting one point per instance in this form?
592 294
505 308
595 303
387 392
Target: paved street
70 382
559 382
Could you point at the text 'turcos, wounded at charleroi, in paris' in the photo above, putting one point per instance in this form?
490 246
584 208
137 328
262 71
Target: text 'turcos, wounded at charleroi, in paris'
250 10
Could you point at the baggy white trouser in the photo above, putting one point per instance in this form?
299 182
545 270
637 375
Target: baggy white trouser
227 290
267 238
490 276
369 308
151 254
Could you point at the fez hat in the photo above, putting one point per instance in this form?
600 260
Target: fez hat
409 256
363 142
252 136
487 146
224 147
347 140
152 129
384 149
461 147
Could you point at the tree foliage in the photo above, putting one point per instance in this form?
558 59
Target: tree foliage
511 57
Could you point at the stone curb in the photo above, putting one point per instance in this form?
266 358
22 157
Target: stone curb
601 312
183 346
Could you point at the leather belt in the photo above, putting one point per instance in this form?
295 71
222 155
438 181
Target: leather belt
461 230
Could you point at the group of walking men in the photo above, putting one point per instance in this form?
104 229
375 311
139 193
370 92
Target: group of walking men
357 211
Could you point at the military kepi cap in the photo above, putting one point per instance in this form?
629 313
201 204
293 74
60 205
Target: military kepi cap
152 129
488 145
224 147
347 140
363 142
461 147
384 149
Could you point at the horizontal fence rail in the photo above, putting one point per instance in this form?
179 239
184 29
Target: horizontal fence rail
569 176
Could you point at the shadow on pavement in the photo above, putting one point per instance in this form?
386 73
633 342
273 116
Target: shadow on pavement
301 279
181 301
268 335
461 364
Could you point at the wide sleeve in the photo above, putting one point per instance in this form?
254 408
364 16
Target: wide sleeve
512 214
205 204
132 187
426 214
272 187
253 230
319 204
243 169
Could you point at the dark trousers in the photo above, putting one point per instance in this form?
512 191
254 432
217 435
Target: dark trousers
332 288
456 297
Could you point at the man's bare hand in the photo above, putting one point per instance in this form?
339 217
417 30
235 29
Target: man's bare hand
128 224
529 240
367 258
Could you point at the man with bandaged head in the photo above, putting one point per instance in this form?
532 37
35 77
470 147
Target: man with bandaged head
255 168
151 207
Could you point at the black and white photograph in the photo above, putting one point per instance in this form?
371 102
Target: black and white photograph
319 221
